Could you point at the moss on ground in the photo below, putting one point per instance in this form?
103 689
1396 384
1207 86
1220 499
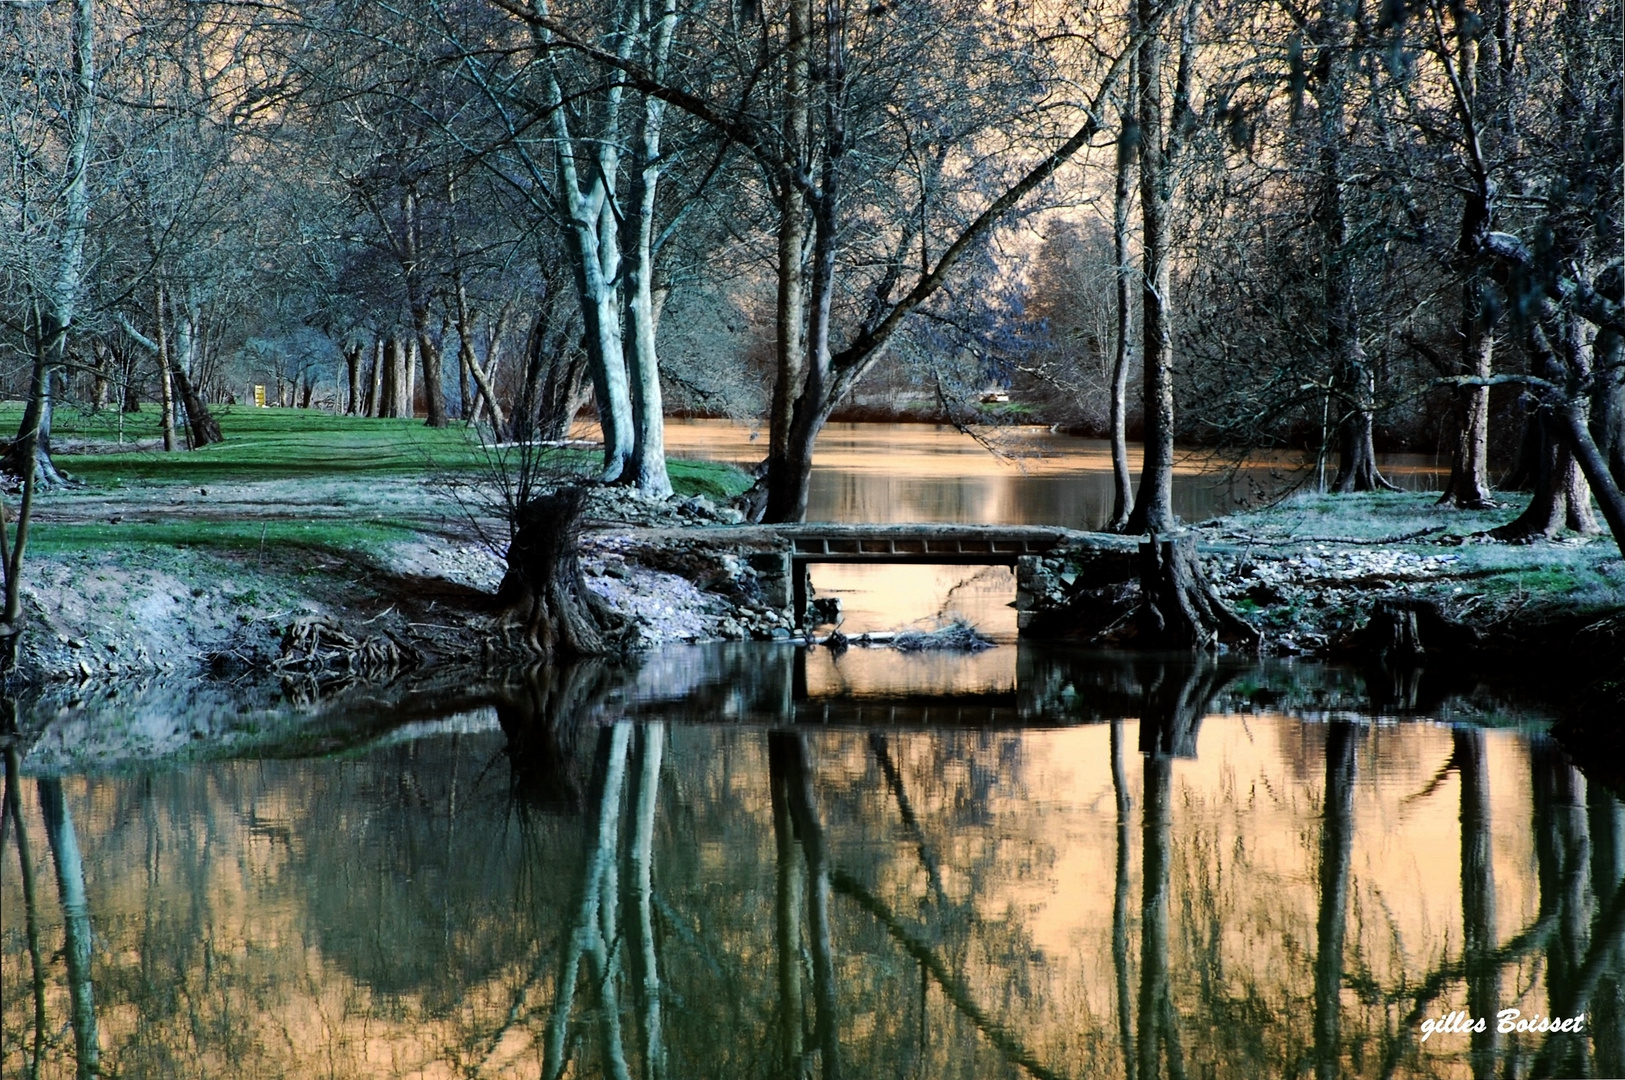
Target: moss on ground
1579 574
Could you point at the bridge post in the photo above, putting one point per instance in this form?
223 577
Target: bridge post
1031 586
799 572
776 571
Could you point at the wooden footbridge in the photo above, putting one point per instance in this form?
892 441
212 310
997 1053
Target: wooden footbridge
954 545
781 554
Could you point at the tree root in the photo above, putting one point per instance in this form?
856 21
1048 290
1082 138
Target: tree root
315 643
546 590
1178 608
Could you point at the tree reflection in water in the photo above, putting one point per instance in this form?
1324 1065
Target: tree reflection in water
565 887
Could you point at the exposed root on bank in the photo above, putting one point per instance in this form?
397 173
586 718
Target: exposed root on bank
315 643
545 588
1178 608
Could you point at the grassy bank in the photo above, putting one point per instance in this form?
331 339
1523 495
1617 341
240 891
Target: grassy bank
288 444
289 477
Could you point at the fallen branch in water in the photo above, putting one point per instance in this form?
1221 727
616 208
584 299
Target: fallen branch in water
959 636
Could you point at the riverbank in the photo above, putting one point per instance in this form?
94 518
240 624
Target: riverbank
308 541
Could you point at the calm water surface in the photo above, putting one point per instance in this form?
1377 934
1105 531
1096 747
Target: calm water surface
744 861
752 861
922 472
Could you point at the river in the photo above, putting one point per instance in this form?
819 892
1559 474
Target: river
746 860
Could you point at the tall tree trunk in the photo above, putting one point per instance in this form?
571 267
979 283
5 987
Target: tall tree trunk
650 745
1353 382
789 485
200 421
1572 466
597 267
1562 856
588 938
1608 402
647 469
1607 827
790 898
406 405
375 379
1155 832
1608 386
203 428
102 383
352 368
587 202
471 364
1154 504
1120 907
549 395
1553 474
434 383
1128 145
810 828
388 374
789 345
166 374
128 376
1469 487
12 811
1469 484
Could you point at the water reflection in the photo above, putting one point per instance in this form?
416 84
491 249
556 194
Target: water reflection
589 876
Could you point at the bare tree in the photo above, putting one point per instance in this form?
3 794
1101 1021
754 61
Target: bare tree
819 165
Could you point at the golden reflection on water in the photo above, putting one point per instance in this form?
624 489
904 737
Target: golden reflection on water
397 914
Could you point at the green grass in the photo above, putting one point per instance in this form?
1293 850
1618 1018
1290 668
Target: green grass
1007 408
283 444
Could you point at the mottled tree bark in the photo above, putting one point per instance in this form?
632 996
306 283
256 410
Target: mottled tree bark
352 370
1128 148
790 899
1154 503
